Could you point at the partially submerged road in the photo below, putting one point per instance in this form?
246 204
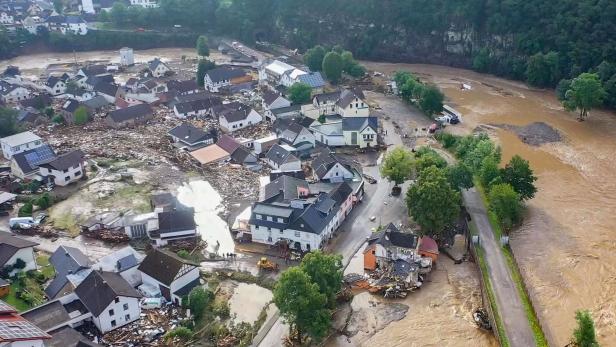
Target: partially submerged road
508 299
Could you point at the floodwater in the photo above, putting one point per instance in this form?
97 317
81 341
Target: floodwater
206 201
566 247
247 301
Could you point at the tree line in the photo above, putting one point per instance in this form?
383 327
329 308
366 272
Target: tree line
427 97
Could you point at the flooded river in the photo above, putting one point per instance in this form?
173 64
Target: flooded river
567 246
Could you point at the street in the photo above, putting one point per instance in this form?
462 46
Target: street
508 299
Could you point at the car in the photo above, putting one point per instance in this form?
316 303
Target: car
433 128
373 218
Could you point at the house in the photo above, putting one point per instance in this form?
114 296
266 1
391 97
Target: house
166 274
237 116
30 115
297 136
39 101
345 102
55 86
25 165
331 168
261 146
107 90
82 95
111 300
157 68
16 331
293 111
223 76
13 249
68 110
272 101
92 81
328 133
228 143
71 24
67 310
190 137
196 108
303 224
33 23
96 103
280 158
65 168
185 87
69 337
174 225
210 154
125 261
87 6
11 93
360 131
163 201
18 143
314 80
66 261
273 72
130 116
285 189
390 245
244 156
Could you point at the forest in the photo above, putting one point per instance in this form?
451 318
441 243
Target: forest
541 42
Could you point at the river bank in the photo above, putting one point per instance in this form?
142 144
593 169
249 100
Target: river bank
565 248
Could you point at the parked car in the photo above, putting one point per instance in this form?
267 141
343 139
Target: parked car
20 222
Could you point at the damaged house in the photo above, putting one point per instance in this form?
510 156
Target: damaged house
390 244
188 137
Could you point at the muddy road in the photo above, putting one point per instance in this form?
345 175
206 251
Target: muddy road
566 246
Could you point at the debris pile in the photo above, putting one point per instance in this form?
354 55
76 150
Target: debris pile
107 235
147 331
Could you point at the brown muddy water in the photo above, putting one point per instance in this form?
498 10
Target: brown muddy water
566 247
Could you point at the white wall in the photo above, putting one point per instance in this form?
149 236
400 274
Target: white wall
25 254
338 173
261 235
8 152
17 94
103 322
253 118
60 178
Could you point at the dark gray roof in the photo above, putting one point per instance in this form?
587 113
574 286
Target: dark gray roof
177 220
197 105
30 160
106 88
131 112
190 134
74 20
300 174
272 210
236 116
288 109
126 263
10 244
100 288
183 86
325 161
68 337
284 188
270 96
199 96
94 69
327 97
341 192
65 260
65 161
163 266
70 105
392 236
154 64
52 80
96 102
224 73
28 115
47 315
279 155
243 155
314 217
6 87
359 123
347 96
228 143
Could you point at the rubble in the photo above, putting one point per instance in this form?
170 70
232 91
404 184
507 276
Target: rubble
113 236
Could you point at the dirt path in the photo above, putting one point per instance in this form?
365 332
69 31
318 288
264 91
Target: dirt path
507 298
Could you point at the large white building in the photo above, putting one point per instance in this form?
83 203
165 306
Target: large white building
18 143
127 57
10 93
13 248
65 168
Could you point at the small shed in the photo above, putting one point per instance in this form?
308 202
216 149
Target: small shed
428 248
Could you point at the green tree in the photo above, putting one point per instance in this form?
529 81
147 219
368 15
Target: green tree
432 202
8 122
610 92
313 58
400 77
489 174
584 334
426 157
332 66
58 119
44 201
301 304
118 13
481 61
480 150
407 89
585 93
397 165
460 176
505 203
81 115
199 299
181 333
326 271
431 101
605 70
561 89
203 48
543 69
356 70
520 176
19 264
25 210
300 93
203 67
58 5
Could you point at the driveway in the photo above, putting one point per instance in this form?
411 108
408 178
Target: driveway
508 300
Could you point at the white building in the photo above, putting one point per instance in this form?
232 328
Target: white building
127 57
125 261
10 93
158 68
144 3
110 299
281 158
18 143
6 18
65 168
239 119
87 6
222 77
32 23
13 248
55 86
167 275
330 168
273 72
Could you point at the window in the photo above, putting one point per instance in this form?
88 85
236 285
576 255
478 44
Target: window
116 300
113 323
125 307
297 234
281 231
78 173
127 317
111 313
280 220
65 170
269 218
258 216
67 178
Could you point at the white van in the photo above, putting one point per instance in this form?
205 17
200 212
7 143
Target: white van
151 303
15 222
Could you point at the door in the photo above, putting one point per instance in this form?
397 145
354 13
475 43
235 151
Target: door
354 138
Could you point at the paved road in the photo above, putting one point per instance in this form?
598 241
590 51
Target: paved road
378 203
508 300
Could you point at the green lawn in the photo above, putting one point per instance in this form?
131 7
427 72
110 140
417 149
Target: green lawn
30 285
47 269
